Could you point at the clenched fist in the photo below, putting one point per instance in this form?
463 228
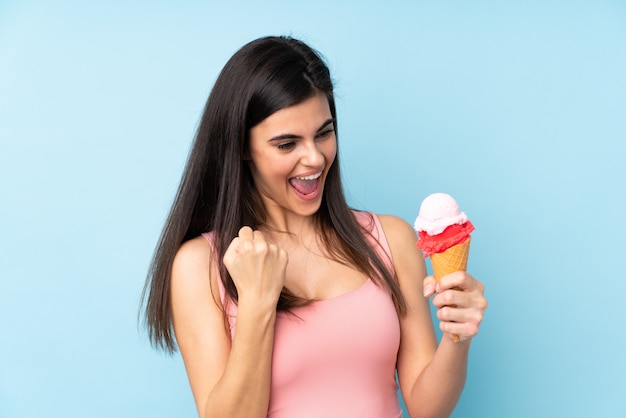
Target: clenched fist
256 266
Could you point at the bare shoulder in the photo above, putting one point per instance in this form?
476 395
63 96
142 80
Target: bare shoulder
397 230
401 237
192 269
193 259
195 252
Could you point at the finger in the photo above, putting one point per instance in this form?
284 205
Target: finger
449 314
429 285
449 297
246 240
464 330
283 255
229 255
234 245
456 314
258 236
457 279
246 233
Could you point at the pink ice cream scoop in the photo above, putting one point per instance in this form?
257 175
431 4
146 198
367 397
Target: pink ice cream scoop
440 224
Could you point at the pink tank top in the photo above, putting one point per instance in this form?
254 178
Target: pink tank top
336 357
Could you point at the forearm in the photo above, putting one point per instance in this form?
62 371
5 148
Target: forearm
438 388
244 388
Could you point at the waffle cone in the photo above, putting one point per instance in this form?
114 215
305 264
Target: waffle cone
451 260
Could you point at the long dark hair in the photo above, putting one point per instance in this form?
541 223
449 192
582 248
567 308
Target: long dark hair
217 192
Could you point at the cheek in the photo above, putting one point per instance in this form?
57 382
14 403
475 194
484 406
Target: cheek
263 164
331 152
272 170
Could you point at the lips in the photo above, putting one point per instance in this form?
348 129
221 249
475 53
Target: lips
306 185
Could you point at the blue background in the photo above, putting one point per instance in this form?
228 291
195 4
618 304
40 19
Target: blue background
517 110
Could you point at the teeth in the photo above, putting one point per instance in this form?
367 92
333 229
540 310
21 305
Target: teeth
313 177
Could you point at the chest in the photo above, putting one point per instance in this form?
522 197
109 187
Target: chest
314 276
352 339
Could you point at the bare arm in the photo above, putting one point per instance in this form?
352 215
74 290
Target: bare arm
431 376
228 379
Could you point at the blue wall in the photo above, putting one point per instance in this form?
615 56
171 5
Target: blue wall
518 110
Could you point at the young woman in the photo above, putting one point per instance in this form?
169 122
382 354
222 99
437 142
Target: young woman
283 301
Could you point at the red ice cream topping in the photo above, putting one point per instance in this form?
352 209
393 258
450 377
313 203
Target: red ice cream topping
451 236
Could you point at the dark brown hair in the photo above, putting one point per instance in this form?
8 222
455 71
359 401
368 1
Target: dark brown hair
217 192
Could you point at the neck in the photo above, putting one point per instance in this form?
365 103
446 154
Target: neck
290 229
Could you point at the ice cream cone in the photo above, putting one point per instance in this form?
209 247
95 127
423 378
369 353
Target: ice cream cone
451 260
443 235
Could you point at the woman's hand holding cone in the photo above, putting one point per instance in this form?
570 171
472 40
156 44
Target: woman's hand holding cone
460 303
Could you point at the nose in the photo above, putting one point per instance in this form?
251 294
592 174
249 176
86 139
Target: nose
312 155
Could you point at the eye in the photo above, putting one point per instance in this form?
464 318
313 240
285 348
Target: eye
326 133
285 146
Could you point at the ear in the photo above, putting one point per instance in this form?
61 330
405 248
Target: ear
245 156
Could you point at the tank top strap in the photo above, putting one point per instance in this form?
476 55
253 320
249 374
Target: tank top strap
376 237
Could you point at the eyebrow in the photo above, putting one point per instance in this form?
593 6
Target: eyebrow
292 136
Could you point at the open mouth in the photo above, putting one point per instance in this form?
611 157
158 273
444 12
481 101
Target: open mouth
307 186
